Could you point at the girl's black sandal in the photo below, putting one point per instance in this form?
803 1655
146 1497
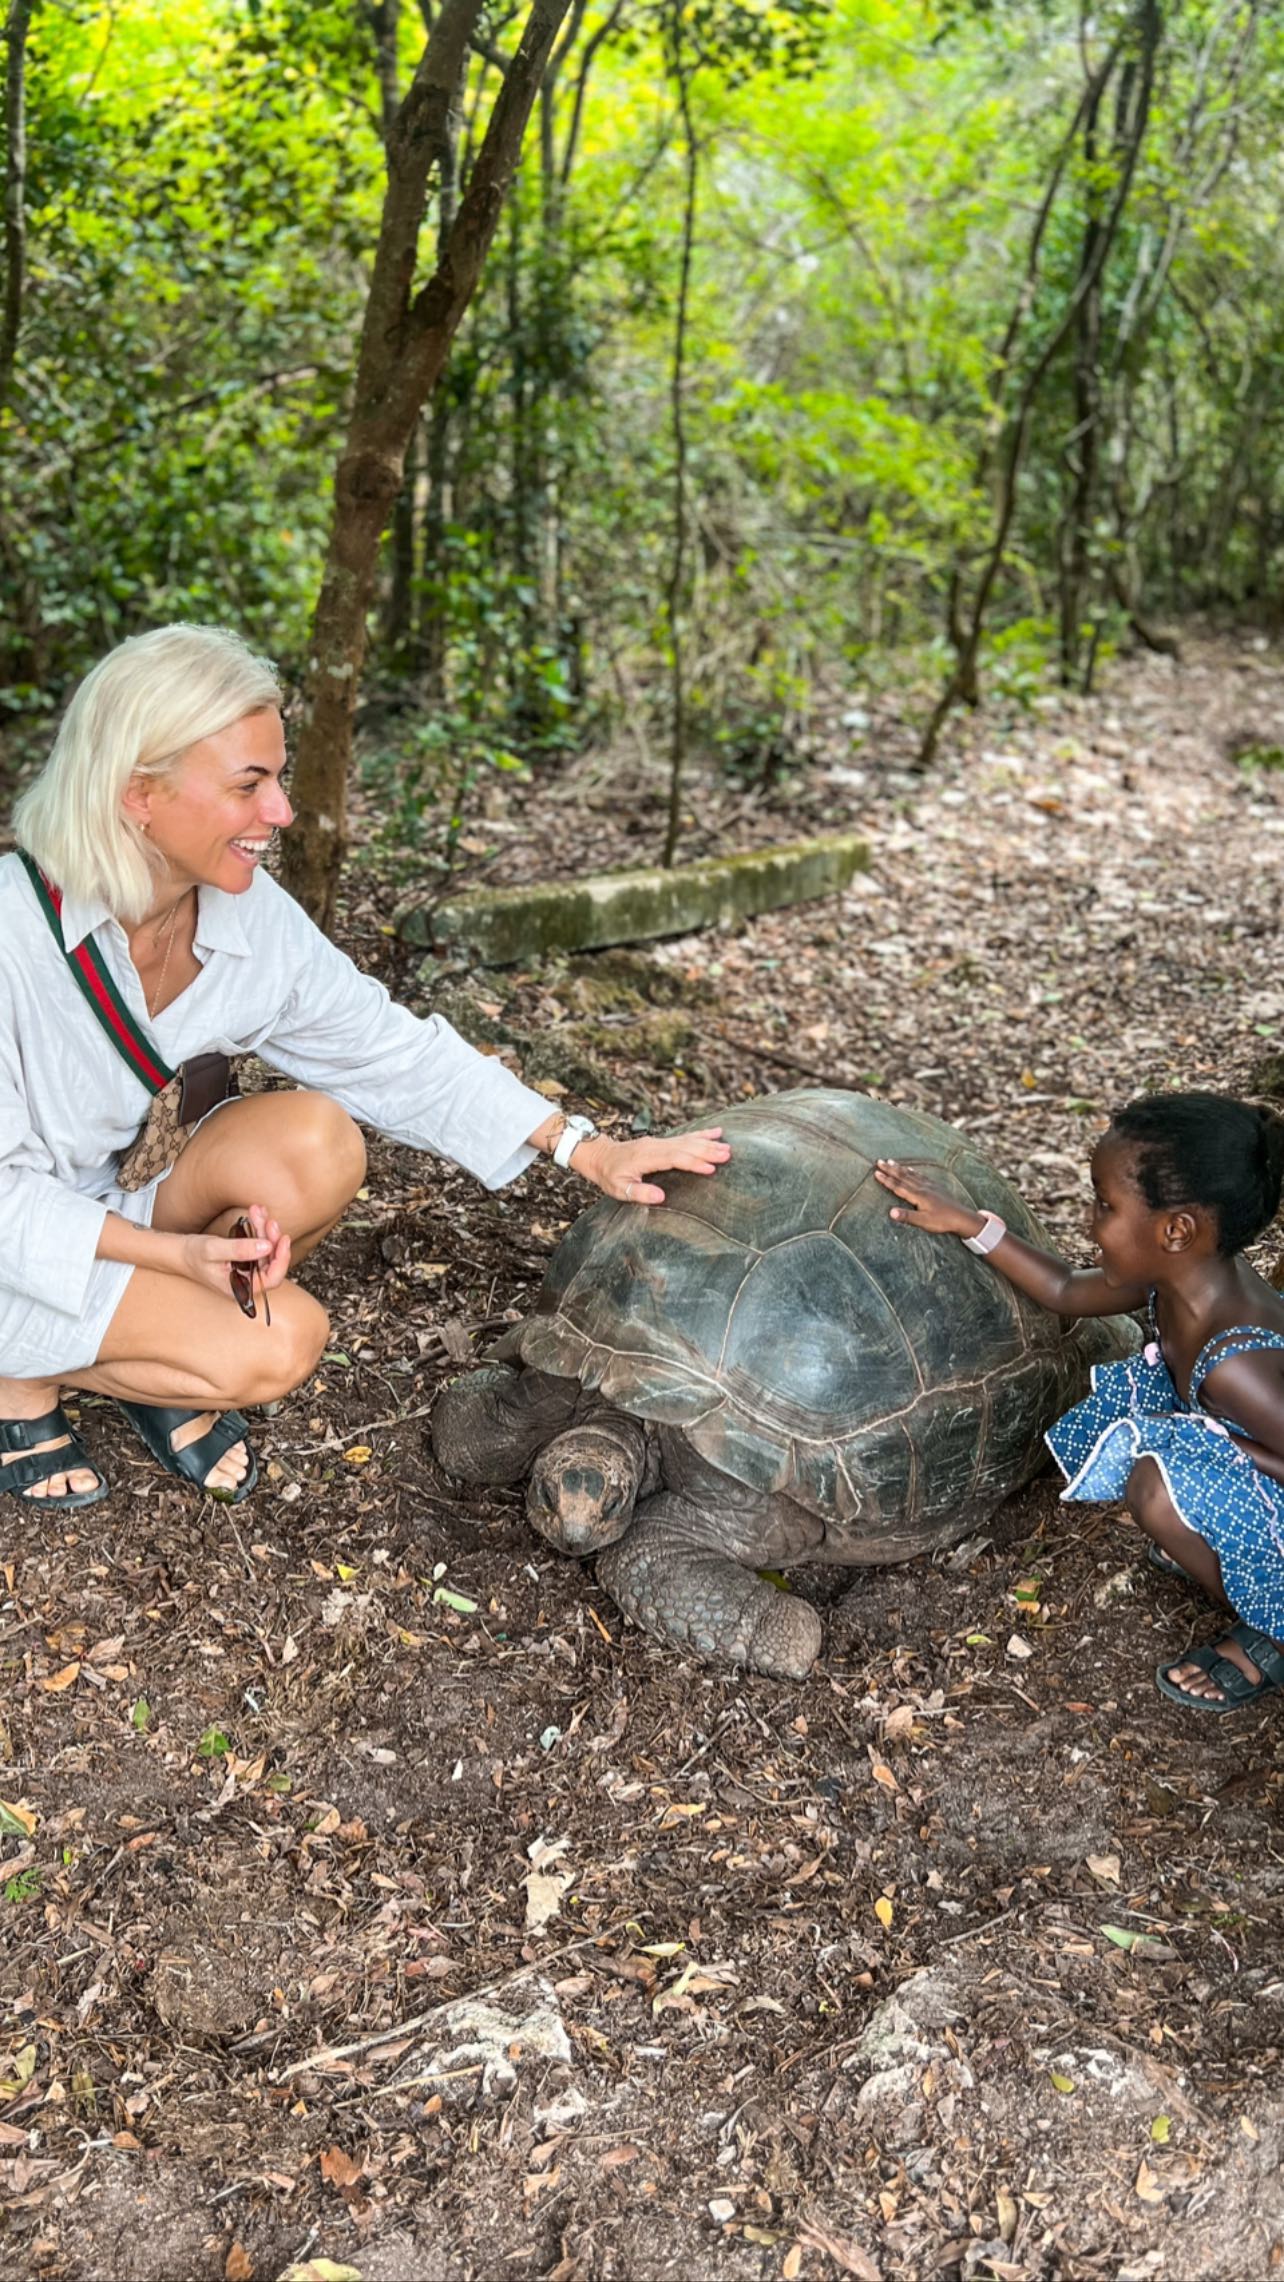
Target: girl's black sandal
157 1425
26 1473
1237 1689
1164 1562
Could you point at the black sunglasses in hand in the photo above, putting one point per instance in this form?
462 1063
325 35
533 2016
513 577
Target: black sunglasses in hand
242 1273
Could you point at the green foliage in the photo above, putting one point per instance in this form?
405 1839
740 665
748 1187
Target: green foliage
204 188
195 223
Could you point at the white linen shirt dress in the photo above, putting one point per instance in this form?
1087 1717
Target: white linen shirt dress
271 984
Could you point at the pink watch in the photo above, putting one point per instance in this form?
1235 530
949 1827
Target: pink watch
988 1236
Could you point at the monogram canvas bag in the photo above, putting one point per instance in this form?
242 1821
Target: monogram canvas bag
179 1098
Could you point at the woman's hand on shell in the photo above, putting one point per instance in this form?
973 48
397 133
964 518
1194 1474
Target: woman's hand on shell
622 1169
209 1260
929 1208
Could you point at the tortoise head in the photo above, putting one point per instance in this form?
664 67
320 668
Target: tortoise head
583 1488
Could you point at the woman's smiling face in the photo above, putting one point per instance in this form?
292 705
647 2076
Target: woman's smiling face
214 815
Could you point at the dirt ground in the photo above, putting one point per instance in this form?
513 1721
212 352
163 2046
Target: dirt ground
961 1959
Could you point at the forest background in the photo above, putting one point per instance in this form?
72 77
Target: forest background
818 348
745 391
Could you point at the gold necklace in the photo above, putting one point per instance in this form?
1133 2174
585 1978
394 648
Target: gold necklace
153 1003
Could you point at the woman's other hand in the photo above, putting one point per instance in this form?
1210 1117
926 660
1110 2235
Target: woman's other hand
210 1259
929 1208
622 1169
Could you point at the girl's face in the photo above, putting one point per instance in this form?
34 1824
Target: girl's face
213 817
1127 1232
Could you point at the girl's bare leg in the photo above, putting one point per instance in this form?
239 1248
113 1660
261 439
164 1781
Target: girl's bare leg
170 1342
1154 1511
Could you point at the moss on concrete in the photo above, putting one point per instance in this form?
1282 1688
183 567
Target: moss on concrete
659 1038
499 926
558 1057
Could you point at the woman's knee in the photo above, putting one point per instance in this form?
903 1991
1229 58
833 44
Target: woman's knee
323 1148
287 1353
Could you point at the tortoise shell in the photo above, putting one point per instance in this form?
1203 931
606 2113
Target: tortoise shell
886 1379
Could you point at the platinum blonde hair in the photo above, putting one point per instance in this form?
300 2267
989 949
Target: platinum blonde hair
137 713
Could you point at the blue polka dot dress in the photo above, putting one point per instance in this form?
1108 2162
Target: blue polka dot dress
1134 1411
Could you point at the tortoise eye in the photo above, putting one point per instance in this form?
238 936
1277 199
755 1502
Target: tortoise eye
241 1277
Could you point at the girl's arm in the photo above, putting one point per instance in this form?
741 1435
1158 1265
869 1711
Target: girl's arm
1063 1290
1248 1393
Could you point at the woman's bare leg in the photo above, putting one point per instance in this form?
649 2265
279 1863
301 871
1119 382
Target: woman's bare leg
297 1154
169 1342
35 1398
1154 1511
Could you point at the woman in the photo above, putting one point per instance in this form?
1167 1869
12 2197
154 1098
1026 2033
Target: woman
138 931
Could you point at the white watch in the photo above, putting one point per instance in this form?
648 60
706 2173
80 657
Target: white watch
574 1130
991 1232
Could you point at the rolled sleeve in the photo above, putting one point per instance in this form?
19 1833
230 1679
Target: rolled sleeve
414 1079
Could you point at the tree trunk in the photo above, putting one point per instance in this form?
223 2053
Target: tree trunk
405 341
967 624
1082 454
431 616
398 616
15 189
675 598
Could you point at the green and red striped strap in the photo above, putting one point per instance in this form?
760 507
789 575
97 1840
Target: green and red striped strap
90 970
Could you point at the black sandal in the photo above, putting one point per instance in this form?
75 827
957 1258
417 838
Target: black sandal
1237 1689
157 1426
1165 1563
23 1474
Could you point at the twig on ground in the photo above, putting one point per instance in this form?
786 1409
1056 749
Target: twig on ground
334 2052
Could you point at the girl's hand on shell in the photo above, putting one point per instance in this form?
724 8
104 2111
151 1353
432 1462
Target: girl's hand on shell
929 1208
209 1260
622 1168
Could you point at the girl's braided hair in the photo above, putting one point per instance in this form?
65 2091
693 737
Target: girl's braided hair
1211 1150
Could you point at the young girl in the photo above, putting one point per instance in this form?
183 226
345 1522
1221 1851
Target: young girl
1190 1432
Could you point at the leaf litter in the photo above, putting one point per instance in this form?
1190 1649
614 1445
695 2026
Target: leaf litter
268 1785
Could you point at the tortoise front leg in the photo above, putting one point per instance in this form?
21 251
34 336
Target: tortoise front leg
667 1577
487 1426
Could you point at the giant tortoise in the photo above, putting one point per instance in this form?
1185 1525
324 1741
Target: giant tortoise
768 1370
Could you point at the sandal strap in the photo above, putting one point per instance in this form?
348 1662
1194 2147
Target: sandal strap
25 1433
158 1423
1266 1653
1234 1684
37 1466
199 1458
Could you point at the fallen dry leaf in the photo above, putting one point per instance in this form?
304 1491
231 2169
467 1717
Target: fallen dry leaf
846 2254
339 2168
238 2266
54 1682
320 2270
1146 2185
